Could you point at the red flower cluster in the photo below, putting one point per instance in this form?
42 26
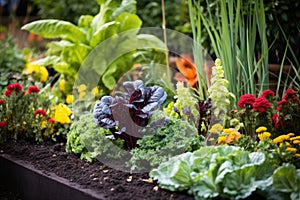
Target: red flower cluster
2 101
33 89
14 87
267 93
246 99
40 112
261 104
2 124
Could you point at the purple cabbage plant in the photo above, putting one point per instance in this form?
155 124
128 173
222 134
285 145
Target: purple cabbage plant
124 116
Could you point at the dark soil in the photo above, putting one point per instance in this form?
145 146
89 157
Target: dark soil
51 157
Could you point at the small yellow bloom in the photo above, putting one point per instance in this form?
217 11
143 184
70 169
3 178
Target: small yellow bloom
43 73
291 134
218 62
287 144
62 85
222 140
281 138
82 95
297 155
61 114
70 99
291 149
81 88
228 131
261 129
295 138
95 91
264 135
40 71
296 142
216 128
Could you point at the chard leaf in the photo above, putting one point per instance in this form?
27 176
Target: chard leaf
85 21
129 21
52 28
49 60
105 31
128 6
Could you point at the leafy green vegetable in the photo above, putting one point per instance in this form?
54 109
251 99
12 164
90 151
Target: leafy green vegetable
210 172
86 139
160 144
77 42
286 179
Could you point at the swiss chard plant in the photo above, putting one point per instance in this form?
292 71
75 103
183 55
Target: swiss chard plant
77 41
124 116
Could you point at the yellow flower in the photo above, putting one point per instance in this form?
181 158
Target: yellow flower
261 129
70 99
296 142
82 94
291 134
62 85
281 138
264 135
81 88
227 131
297 155
40 71
95 91
222 140
291 149
295 138
61 114
216 128
218 62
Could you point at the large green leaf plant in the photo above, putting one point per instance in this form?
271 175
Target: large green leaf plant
77 41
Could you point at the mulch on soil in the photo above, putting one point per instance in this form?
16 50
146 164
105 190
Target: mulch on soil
114 184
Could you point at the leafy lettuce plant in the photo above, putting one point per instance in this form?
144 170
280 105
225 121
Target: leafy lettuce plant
77 41
211 172
87 140
123 116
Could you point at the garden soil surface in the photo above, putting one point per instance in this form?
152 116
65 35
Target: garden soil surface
113 184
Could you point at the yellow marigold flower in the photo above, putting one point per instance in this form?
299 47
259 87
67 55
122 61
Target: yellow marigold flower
81 88
261 129
216 128
227 131
297 155
40 71
43 73
82 94
221 140
281 138
291 134
62 85
296 142
95 91
218 62
61 114
291 149
295 138
70 99
264 135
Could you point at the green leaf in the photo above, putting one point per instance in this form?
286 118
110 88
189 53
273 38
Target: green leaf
49 60
104 32
85 20
286 179
128 6
52 28
129 21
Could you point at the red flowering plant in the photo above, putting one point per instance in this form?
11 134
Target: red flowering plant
255 112
287 116
24 113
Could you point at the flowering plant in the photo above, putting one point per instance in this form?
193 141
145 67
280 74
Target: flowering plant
28 114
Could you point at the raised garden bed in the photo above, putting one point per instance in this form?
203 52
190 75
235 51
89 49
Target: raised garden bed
46 171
